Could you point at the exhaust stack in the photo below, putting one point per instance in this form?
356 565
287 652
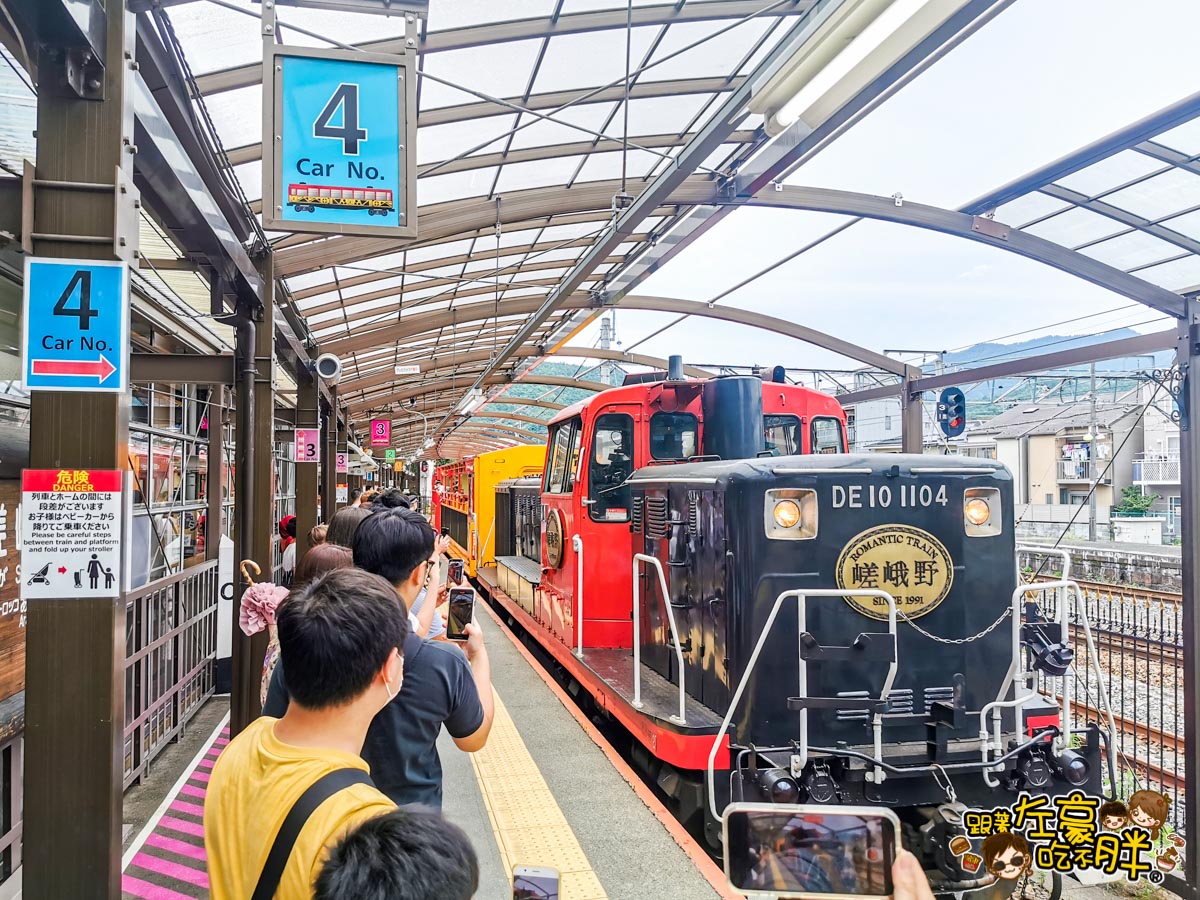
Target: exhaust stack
675 369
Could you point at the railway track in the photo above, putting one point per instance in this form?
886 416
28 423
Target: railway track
1167 740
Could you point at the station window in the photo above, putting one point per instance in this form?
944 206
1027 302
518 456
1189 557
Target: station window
827 435
285 496
563 456
782 434
673 435
168 456
611 464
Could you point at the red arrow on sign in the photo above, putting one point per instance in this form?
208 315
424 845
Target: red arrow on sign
99 369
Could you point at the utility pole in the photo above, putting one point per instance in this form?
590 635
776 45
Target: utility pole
1092 473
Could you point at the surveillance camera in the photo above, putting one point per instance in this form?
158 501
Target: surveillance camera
329 368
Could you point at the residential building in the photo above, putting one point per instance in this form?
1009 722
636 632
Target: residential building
1156 468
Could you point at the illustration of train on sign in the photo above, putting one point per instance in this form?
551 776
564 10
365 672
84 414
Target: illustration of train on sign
307 197
773 619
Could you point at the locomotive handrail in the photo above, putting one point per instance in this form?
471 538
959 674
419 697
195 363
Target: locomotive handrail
577 546
680 719
1050 551
1015 677
801 622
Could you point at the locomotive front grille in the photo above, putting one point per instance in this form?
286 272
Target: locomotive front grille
635 514
934 694
901 703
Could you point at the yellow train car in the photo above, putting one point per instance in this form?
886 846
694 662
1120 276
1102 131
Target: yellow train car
465 499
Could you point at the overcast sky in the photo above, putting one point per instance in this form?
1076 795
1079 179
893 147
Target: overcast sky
1043 79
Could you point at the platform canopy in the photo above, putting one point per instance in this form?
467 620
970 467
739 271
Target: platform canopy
576 155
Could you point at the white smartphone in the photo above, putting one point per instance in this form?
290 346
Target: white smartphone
535 883
810 851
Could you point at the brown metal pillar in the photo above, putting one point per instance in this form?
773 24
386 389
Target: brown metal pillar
912 415
255 494
1188 399
329 440
214 517
308 415
75 648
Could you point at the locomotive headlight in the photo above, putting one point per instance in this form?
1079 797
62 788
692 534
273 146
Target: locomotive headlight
790 514
787 513
982 512
977 511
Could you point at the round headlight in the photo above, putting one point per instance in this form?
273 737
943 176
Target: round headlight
977 511
787 513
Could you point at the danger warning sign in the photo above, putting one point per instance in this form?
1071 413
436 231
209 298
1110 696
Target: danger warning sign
70 533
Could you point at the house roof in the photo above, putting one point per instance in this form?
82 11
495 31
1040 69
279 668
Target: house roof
1029 419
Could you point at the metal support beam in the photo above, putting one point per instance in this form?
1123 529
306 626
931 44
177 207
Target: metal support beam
1188 399
75 647
308 415
185 368
329 450
912 418
1141 345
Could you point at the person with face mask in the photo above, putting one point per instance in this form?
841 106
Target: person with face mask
285 790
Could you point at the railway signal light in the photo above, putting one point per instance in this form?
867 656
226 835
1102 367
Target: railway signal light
952 412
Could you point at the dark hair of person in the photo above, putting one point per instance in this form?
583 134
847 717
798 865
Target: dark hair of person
412 853
1113 809
318 560
393 542
393 498
355 493
336 634
995 844
291 527
344 524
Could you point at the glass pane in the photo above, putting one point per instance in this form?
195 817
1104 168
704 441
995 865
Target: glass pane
717 55
1028 208
1181 275
611 465
1185 138
1129 250
782 434
139 463
673 435
166 551
827 435
1187 225
139 413
1075 227
167 466
1111 173
1160 196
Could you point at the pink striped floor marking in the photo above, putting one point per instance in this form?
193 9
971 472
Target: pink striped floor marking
180 848
148 891
177 871
186 807
193 828
192 791
199 776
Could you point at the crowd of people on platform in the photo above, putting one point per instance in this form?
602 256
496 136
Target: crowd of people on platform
336 791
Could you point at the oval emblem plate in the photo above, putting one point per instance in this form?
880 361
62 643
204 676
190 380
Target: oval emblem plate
910 564
554 538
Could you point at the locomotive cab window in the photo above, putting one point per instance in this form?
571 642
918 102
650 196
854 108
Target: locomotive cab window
827 435
673 435
611 464
563 455
781 435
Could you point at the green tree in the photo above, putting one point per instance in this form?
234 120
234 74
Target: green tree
1134 501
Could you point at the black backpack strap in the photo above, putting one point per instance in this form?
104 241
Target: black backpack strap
316 794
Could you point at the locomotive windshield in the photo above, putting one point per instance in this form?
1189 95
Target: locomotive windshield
827 435
673 435
781 434
564 452
611 464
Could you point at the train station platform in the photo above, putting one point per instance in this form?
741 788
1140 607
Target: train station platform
547 790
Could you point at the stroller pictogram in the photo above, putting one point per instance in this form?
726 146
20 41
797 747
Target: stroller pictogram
41 576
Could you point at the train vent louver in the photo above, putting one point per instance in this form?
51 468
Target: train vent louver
694 514
934 694
635 515
901 704
656 517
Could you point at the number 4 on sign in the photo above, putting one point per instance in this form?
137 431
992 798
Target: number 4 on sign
345 97
82 280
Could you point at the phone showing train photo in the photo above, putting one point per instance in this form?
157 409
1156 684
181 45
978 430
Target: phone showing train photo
454 571
462 612
535 883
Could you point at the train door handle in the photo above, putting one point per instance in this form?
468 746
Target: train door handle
712 612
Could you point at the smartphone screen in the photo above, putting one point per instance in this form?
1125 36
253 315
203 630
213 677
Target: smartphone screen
445 532
454 572
462 611
534 883
800 851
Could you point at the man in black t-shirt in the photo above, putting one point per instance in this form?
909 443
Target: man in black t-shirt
441 685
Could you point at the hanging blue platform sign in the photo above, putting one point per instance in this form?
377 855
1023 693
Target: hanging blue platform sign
341 157
76 325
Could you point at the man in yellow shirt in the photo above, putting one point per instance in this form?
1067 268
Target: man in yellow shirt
340 640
